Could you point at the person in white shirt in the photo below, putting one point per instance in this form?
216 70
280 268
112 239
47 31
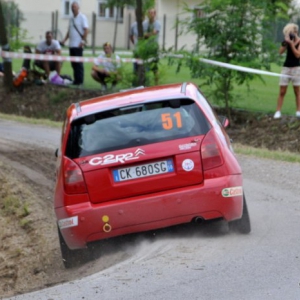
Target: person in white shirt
106 67
48 46
77 34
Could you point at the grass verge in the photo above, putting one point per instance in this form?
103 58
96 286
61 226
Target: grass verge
266 153
21 119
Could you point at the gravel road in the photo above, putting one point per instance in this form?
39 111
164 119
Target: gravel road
194 262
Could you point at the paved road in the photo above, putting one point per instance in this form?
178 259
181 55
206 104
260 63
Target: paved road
204 262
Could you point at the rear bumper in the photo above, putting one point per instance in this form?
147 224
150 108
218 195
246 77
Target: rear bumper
87 222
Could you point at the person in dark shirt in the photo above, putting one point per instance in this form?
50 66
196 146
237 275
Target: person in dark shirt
291 67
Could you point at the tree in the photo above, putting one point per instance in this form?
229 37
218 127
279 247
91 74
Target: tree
230 31
277 8
140 8
13 18
5 46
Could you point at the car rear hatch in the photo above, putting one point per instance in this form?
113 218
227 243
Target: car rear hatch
142 170
140 149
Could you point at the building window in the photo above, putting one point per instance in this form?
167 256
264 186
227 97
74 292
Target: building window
109 12
199 12
66 7
101 9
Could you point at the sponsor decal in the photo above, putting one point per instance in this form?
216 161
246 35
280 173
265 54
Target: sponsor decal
111 158
187 146
188 165
69 222
232 191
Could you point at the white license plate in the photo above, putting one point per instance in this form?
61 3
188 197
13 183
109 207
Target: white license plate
156 168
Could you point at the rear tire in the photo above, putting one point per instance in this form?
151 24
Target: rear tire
242 225
71 258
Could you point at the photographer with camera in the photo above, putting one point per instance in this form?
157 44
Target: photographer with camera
291 67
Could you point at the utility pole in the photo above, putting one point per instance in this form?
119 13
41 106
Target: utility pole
5 47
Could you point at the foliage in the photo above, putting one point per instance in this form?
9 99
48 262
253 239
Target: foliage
234 32
18 38
13 18
278 8
122 3
140 8
12 15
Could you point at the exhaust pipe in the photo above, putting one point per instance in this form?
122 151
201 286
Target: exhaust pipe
199 220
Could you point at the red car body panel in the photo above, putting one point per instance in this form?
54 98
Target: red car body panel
150 212
108 208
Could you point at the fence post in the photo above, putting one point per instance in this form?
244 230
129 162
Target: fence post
17 24
52 22
5 47
164 32
129 27
176 33
93 31
56 24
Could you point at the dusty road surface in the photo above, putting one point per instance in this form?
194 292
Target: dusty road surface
191 261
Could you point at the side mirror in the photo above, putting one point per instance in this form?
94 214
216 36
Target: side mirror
56 153
224 121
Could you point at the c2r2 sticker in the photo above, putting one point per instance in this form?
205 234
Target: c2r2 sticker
232 192
188 165
69 222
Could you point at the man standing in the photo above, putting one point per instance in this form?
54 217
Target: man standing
151 28
77 34
106 68
48 46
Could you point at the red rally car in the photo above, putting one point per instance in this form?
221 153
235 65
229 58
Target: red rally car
144 159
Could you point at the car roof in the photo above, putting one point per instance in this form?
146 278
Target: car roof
131 96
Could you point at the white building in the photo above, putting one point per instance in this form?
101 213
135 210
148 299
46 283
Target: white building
43 15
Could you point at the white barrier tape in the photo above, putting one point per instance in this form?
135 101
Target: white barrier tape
6 54
243 69
235 67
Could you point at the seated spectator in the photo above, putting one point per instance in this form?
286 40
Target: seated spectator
105 70
48 46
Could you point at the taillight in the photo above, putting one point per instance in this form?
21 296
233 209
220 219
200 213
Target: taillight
73 178
211 155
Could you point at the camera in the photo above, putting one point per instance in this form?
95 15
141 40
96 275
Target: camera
292 36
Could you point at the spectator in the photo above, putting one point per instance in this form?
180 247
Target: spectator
106 68
77 34
48 46
151 28
291 67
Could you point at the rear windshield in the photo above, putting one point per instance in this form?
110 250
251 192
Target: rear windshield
135 125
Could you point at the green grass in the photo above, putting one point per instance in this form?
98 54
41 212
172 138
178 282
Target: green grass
266 153
30 121
262 97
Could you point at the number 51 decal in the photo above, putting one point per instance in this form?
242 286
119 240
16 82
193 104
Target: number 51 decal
167 120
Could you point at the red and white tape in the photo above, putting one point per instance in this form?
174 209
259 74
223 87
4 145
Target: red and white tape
11 55
48 57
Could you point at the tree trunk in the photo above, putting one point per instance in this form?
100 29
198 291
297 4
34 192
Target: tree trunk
139 19
5 47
